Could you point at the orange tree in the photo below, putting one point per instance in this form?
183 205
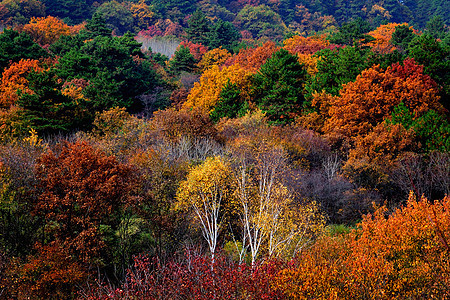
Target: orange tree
83 193
371 98
404 255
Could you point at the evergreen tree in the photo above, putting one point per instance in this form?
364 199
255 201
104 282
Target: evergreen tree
198 28
15 46
278 87
223 34
230 104
402 36
182 60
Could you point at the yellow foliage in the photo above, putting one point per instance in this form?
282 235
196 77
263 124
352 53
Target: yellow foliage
205 94
204 183
213 57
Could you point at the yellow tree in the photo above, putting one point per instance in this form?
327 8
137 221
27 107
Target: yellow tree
205 94
46 30
214 57
271 220
204 190
383 36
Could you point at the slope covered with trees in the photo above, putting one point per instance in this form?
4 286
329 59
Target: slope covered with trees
224 149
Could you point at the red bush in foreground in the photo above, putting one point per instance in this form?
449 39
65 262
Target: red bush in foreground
196 277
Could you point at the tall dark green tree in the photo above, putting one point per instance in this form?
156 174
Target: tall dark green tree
402 36
230 103
198 30
15 46
435 57
351 32
223 34
114 66
72 11
278 87
182 60
47 110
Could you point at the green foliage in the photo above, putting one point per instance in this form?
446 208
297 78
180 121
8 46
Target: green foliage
198 28
117 16
15 46
261 21
351 32
230 104
47 110
278 87
436 27
339 66
96 26
432 129
106 62
74 11
435 57
402 36
223 34
19 12
182 60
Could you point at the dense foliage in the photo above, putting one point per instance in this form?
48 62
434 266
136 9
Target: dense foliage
247 149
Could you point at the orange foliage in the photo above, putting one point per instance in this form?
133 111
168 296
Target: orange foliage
252 59
81 188
51 273
384 144
383 36
46 30
371 98
305 45
14 79
213 57
174 125
403 256
205 94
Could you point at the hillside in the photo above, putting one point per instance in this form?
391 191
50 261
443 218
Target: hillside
224 150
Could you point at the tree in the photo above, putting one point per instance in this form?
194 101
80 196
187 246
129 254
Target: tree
271 222
383 36
261 21
351 32
20 12
223 34
206 191
14 81
198 28
230 103
116 16
45 31
372 97
46 109
15 46
82 190
435 57
278 87
74 11
402 36
182 60
205 94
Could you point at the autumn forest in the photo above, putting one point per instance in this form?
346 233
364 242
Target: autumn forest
210 149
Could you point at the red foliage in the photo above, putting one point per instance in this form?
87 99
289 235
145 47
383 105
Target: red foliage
253 58
196 277
81 188
197 50
51 273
